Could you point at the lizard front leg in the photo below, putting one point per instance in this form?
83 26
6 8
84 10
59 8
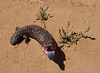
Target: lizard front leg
27 39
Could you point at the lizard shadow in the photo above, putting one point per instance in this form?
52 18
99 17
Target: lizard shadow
60 58
59 54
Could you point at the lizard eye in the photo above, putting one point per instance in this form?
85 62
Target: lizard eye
50 44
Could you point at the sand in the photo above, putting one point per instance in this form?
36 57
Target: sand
81 58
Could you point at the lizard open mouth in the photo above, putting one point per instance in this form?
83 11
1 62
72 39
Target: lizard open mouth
50 49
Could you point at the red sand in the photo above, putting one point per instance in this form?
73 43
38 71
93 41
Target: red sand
23 58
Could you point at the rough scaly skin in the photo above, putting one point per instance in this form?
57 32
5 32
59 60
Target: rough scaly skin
36 32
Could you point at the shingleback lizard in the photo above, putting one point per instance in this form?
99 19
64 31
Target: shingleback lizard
38 33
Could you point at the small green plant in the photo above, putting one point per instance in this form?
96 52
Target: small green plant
72 38
43 16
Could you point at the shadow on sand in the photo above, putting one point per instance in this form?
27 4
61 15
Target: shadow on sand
60 58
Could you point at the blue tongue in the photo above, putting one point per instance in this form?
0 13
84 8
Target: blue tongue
51 56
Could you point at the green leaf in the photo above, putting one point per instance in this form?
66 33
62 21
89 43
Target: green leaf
45 14
67 26
49 14
61 41
44 24
64 33
68 23
61 46
66 36
60 37
59 30
69 45
38 16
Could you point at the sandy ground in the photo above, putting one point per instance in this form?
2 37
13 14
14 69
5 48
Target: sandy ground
23 58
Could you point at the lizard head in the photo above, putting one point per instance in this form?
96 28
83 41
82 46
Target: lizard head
16 37
50 50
